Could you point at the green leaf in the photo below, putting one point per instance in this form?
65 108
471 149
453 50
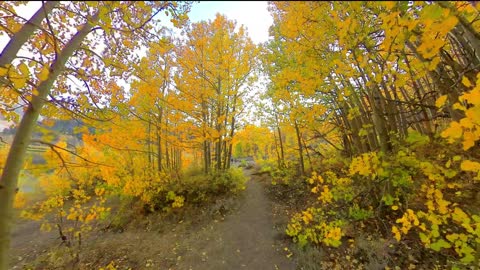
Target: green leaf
363 132
432 11
416 138
468 258
452 237
171 195
423 238
403 5
437 246
448 164
388 199
302 240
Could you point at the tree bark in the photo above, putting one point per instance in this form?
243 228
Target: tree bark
159 139
232 131
18 149
18 39
300 149
282 154
149 147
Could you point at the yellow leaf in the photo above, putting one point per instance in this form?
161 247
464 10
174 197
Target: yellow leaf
446 12
460 216
23 68
450 22
466 82
468 140
471 166
389 4
448 164
441 101
18 83
473 97
394 207
458 106
396 233
43 74
454 131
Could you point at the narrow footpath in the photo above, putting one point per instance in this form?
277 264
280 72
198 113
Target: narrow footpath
243 240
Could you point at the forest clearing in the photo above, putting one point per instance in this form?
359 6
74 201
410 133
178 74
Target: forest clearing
140 135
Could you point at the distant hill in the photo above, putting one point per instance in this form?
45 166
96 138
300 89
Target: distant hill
59 128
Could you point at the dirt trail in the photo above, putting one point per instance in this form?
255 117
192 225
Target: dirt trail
244 240
28 242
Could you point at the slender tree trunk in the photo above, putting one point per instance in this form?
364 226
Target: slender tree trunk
378 117
351 124
443 84
461 44
367 117
206 152
209 156
402 127
205 156
19 38
179 161
465 28
232 131
159 139
167 155
282 155
390 107
149 147
416 88
218 127
276 150
173 157
300 149
308 154
18 149
370 142
226 151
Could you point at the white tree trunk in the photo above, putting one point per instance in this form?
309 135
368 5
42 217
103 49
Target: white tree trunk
18 149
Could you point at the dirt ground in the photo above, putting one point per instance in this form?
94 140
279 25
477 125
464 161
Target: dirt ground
244 240
235 233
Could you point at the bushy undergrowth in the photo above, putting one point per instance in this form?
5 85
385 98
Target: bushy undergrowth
199 188
76 210
416 201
